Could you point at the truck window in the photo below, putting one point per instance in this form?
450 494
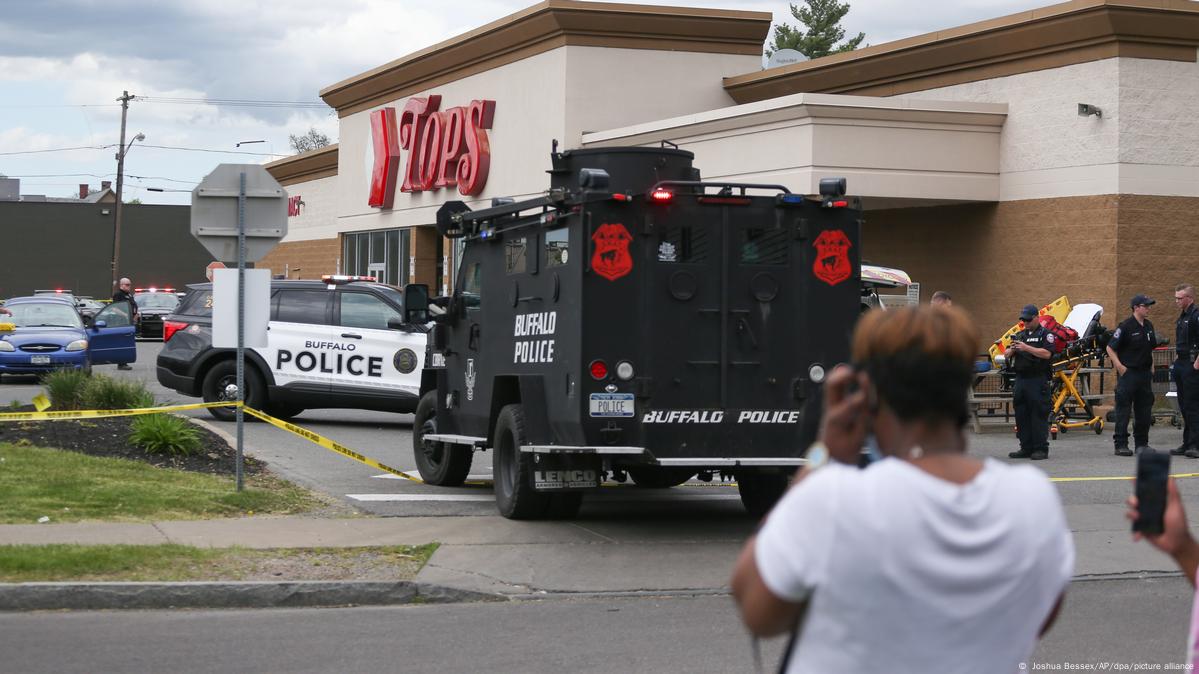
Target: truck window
363 310
301 306
764 246
472 286
683 245
557 243
516 254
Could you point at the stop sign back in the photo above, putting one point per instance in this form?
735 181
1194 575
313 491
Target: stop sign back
211 266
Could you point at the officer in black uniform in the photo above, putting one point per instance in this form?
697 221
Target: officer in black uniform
1030 358
1131 351
124 294
1186 369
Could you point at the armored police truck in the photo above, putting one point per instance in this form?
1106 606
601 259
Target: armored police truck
635 321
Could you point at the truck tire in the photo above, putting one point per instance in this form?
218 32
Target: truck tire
760 491
223 374
652 477
439 463
512 472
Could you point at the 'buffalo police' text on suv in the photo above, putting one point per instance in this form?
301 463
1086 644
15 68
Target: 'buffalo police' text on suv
331 343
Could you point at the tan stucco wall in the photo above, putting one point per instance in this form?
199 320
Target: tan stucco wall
994 258
313 257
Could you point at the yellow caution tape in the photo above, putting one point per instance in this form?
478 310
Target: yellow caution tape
94 414
329 444
338 448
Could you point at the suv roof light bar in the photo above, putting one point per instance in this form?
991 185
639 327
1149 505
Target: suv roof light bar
345 278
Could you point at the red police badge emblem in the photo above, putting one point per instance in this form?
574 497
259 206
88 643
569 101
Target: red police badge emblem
611 258
832 257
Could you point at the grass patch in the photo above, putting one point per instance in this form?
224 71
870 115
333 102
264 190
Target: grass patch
169 563
68 487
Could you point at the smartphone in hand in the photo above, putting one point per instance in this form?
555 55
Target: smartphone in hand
1153 469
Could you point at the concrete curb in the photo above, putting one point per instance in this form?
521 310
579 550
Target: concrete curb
246 594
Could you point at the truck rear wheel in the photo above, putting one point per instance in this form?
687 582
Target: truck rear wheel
512 471
760 491
652 477
439 463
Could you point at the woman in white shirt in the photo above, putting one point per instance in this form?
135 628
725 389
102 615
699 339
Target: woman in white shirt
928 560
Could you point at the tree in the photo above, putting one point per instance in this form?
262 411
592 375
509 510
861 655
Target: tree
313 140
822 18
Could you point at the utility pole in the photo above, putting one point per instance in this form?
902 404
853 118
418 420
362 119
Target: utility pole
116 230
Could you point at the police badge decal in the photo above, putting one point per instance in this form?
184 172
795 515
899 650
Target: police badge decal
404 361
832 257
611 259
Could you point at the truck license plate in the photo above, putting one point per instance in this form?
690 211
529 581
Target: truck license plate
39 360
611 404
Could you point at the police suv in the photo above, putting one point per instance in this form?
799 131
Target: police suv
635 321
336 342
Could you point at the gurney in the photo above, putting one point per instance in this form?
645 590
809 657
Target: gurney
1073 402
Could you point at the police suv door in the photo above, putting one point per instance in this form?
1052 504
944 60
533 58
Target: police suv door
300 324
375 360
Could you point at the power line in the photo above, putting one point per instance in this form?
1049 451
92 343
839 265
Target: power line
234 102
58 149
201 149
65 105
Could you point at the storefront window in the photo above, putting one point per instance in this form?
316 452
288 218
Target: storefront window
383 254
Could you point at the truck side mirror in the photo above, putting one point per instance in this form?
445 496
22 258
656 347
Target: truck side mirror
416 304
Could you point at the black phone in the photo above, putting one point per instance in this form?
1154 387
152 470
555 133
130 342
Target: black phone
1153 470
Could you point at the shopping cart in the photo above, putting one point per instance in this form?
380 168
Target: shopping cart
1164 388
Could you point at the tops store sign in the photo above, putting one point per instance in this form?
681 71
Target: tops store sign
445 148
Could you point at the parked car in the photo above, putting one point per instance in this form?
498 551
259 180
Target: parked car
88 307
153 304
42 333
332 343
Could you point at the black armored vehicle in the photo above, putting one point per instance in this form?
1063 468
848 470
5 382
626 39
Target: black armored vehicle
635 321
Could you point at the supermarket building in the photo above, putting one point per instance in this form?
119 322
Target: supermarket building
980 170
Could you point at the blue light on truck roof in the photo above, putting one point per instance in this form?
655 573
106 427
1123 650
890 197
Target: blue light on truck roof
793 198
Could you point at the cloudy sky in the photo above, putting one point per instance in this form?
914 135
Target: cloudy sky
64 62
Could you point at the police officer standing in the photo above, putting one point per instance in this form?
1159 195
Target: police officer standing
1030 357
123 294
1186 369
1131 351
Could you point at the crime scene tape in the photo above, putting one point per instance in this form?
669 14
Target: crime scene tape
328 444
338 448
94 414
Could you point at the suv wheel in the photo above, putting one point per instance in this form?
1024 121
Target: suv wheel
512 471
439 463
217 383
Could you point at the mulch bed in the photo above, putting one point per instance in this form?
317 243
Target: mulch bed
109 437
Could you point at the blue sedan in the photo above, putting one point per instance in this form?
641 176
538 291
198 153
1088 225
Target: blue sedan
39 334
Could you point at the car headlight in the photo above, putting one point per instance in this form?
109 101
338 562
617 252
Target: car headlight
5 346
77 345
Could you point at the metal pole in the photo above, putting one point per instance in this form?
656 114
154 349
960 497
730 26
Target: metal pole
241 320
116 230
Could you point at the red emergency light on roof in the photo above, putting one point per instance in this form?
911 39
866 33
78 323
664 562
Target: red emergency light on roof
661 195
343 278
153 290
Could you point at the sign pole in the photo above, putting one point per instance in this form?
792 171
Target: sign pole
241 321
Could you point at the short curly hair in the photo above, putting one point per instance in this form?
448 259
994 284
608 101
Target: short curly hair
921 359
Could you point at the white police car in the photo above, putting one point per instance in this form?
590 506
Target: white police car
337 342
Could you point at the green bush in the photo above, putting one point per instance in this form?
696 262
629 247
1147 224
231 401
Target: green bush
66 388
164 434
105 393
